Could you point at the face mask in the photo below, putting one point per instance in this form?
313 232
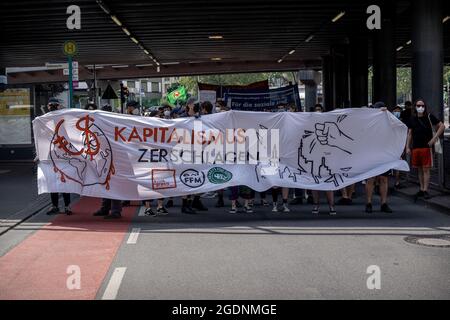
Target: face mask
420 109
167 114
397 114
135 112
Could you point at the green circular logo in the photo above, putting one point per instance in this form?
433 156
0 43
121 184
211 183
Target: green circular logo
219 175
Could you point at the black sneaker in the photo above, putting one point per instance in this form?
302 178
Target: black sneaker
188 210
100 212
162 211
344 201
67 211
169 203
198 205
418 195
369 208
297 200
426 195
248 209
385 208
52 210
114 215
220 203
233 210
149 212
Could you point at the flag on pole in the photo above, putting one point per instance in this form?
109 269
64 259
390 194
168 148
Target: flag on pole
179 94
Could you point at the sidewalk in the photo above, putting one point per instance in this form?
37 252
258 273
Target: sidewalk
18 194
440 199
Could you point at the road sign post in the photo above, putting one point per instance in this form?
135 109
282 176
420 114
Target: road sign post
70 49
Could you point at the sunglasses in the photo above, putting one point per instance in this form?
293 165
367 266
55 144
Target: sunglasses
420 105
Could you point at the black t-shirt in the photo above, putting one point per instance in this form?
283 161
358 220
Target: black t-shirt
421 130
405 116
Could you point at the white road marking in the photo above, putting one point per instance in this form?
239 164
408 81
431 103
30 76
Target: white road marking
114 284
132 239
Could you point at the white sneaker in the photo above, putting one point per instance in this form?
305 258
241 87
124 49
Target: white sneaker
275 208
209 195
285 208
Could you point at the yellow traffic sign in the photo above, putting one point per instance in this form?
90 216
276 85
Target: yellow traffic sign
70 48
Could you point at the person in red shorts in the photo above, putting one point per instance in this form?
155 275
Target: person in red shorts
420 133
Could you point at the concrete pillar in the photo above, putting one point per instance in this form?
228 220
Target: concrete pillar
339 55
3 78
310 79
327 83
358 68
384 56
427 47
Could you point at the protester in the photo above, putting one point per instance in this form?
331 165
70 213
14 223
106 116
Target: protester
91 106
423 139
405 115
315 193
285 195
160 209
110 205
383 180
246 193
53 105
397 111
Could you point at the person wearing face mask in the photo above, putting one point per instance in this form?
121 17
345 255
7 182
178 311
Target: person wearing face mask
133 108
420 134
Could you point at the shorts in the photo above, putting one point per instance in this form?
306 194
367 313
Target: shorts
422 158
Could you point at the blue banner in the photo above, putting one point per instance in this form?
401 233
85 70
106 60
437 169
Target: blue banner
267 100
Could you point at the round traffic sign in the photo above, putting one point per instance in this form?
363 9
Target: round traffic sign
70 48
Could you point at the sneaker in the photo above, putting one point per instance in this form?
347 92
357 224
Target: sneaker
248 209
296 201
220 203
149 212
188 210
286 208
100 212
53 210
209 195
264 203
115 215
197 204
419 194
67 211
275 208
169 203
385 208
426 195
369 208
233 210
332 211
162 211
315 210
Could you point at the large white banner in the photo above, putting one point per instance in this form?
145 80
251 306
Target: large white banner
101 154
